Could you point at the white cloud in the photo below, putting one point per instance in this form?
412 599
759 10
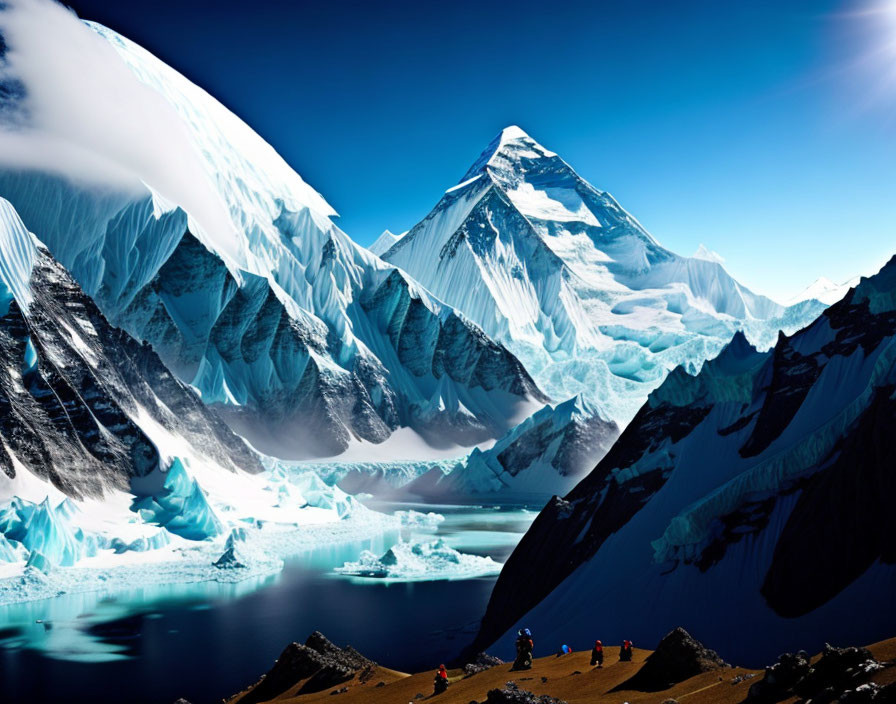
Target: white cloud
85 115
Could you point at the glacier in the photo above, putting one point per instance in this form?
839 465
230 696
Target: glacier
379 478
546 453
412 561
223 527
573 285
303 341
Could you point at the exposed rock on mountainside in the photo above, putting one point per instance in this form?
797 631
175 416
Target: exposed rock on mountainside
546 453
512 694
82 404
481 662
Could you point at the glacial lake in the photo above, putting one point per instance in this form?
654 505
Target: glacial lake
208 641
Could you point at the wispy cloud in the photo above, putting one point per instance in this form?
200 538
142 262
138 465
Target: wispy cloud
78 111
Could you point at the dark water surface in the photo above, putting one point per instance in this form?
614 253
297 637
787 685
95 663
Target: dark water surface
208 641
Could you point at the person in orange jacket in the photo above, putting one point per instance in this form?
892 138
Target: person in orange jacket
441 680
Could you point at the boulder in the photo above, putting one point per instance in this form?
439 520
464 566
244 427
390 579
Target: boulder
512 694
838 669
677 658
839 674
481 662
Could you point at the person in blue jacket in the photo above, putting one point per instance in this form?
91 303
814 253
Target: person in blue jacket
524 647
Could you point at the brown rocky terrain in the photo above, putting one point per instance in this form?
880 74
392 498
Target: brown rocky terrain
652 677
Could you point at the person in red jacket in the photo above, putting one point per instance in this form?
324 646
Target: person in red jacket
625 652
597 654
441 681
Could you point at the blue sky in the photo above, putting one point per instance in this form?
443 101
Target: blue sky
750 127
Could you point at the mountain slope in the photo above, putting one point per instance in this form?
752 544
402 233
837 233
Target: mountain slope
753 498
82 404
237 276
572 284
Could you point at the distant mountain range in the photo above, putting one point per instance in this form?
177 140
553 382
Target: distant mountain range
525 285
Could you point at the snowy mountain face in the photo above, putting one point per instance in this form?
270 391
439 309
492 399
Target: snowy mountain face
824 290
754 498
237 277
546 454
82 405
572 284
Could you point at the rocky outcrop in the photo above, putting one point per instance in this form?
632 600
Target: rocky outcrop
678 657
512 694
313 667
841 674
481 662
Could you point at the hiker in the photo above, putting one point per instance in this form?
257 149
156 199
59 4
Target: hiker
441 681
524 647
625 652
564 650
597 654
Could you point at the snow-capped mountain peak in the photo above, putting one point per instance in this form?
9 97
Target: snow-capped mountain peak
571 282
385 242
704 252
509 147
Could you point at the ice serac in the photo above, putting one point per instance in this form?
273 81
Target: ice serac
303 340
573 285
82 404
754 498
180 506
